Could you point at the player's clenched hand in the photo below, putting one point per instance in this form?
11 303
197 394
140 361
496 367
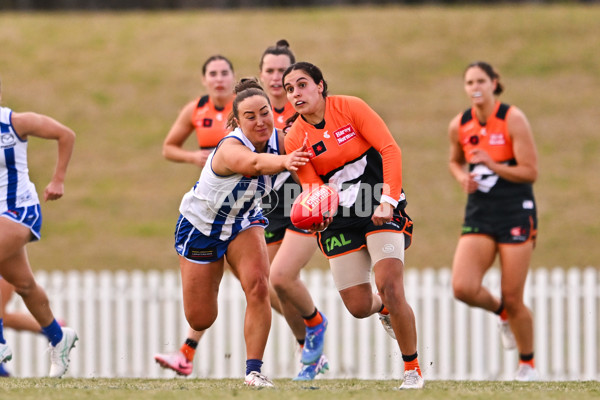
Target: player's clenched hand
54 191
383 214
468 184
479 156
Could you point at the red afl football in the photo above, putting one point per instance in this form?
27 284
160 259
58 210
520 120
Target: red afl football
313 206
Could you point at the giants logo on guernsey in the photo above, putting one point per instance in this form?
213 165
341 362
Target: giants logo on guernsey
343 135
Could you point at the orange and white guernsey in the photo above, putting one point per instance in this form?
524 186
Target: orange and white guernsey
353 150
492 137
494 192
210 122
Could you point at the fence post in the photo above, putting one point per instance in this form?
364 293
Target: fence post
590 312
122 320
557 314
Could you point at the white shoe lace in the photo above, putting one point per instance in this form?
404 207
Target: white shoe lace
412 380
257 379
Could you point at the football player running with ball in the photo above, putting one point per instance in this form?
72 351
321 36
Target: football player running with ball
353 151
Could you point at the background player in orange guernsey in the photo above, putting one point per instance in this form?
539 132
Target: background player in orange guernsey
495 142
353 150
206 115
290 248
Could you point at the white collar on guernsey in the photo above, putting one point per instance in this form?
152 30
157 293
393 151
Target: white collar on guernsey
272 144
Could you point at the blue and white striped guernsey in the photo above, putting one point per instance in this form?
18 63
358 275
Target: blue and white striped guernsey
221 206
16 189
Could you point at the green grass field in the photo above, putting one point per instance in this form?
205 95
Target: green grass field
119 79
226 389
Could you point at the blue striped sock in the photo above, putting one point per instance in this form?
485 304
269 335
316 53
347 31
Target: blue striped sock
253 365
53 332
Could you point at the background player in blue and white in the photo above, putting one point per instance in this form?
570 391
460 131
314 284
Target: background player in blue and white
222 215
21 221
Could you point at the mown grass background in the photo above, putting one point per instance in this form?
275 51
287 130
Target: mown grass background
120 79
229 389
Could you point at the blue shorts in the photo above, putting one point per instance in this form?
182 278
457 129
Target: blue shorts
30 216
199 248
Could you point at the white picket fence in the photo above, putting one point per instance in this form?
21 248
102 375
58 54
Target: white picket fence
123 318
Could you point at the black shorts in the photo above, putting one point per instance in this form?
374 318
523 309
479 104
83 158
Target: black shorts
513 229
275 232
336 242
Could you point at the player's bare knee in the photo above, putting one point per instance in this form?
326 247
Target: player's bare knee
257 287
359 309
279 280
391 291
200 324
361 313
201 315
462 292
25 288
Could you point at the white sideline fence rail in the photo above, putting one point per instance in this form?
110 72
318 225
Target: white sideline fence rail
124 318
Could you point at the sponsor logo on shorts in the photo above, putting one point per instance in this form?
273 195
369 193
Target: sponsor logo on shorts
528 204
14 213
518 233
470 229
261 221
336 241
396 222
201 254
